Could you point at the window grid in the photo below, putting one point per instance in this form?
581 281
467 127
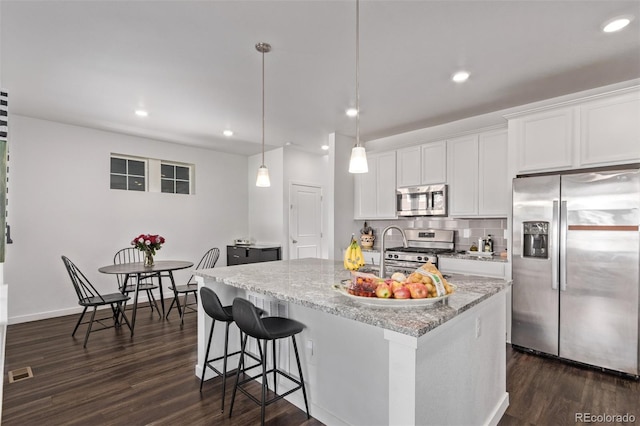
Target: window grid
128 174
175 179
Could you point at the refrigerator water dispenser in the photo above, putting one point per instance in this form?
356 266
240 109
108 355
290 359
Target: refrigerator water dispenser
536 237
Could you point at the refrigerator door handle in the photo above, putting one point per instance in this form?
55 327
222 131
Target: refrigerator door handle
554 258
563 246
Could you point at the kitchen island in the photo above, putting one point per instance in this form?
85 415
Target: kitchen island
364 365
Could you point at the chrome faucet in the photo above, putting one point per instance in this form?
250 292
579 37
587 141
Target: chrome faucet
382 248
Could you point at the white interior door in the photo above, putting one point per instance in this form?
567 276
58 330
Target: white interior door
305 221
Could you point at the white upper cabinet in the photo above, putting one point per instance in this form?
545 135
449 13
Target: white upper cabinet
493 190
545 140
409 166
603 130
462 175
434 163
422 165
610 130
375 191
477 175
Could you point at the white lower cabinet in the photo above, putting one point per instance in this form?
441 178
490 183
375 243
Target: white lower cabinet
375 191
478 175
448 265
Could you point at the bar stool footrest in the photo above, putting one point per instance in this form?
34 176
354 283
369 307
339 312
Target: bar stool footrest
209 363
277 396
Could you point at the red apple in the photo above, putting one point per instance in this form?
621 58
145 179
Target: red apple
402 292
383 291
418 290
396 285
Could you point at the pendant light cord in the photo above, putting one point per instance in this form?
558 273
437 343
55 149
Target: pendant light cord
358 72
262 107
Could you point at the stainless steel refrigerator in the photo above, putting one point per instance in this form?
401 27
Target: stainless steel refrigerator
576 267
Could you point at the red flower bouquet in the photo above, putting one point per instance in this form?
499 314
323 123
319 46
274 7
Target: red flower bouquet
148 244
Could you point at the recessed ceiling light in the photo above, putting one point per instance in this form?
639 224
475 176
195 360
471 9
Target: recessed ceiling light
141 113
228 133
352 112
460 76
616 24
325 147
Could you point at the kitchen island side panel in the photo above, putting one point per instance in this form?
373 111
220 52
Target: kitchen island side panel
461 374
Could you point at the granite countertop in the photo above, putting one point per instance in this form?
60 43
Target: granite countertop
482 258
309 282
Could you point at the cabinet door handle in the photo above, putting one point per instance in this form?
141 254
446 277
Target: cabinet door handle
294 241
236 256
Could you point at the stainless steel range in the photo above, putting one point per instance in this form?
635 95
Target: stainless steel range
424 245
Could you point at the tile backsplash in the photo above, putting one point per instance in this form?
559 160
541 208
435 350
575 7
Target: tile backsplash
474 228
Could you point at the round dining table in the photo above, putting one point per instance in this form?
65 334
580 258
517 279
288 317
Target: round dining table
140 270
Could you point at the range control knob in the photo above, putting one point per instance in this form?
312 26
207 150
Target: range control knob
419 258
395 256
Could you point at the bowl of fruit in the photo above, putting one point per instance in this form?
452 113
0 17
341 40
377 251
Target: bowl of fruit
424 287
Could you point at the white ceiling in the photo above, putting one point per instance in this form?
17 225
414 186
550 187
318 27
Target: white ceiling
194 67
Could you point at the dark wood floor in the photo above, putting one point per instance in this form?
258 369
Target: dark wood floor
150 381
546 391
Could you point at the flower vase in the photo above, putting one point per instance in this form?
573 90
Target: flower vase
148 258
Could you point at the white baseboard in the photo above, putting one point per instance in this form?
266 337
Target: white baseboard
499 411
142 298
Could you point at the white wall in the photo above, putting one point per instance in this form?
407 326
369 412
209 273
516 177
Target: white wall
60 203
343 195
266 221
306 169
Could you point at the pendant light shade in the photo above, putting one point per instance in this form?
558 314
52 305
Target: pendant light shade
262 179
358 161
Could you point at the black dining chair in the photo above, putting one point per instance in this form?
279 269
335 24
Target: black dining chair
265 330
88 297
128 284
214 309
208 261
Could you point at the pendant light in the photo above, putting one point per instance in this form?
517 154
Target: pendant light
358 161
263 173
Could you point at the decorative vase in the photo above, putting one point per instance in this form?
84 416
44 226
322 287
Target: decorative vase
148 258
366 240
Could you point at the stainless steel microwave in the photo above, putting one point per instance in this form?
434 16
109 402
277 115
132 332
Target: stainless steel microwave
429 200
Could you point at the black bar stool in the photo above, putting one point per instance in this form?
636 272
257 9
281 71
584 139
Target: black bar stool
265 330
214 309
